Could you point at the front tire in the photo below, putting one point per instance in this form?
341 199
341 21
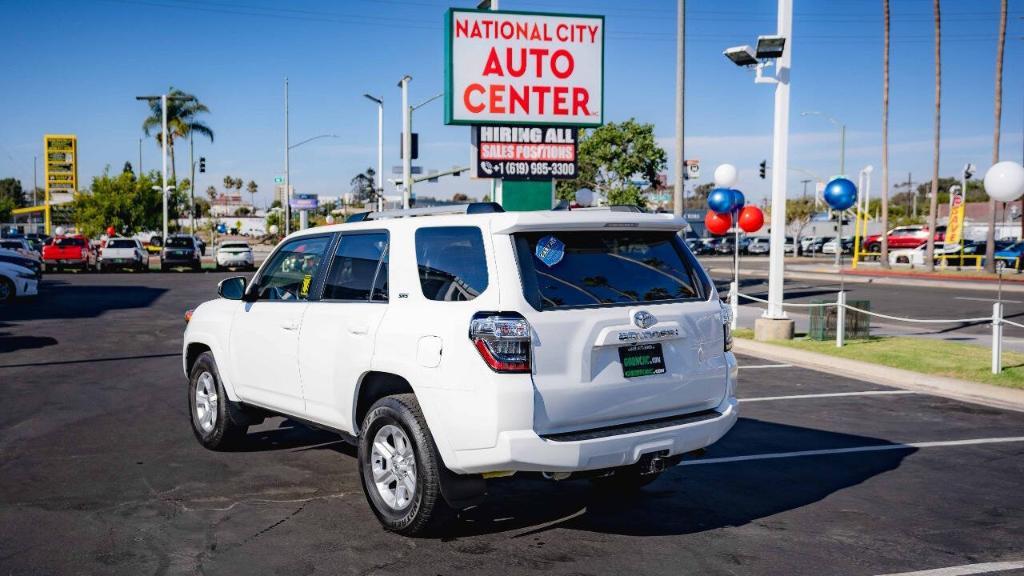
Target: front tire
400 468
216 422
7 290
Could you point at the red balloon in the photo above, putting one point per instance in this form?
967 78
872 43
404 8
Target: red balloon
717 224
110 230
751 219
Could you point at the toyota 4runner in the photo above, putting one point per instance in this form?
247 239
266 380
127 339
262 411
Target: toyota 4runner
453 348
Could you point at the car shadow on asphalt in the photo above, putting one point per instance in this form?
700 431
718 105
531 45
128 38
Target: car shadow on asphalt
288 434
9 343
60 300
688 499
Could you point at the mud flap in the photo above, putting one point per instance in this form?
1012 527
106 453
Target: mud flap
462 491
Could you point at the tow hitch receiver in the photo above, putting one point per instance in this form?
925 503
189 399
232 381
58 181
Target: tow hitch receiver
656 462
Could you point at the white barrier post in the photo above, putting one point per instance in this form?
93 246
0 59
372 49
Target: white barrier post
734 301
840 318
997 337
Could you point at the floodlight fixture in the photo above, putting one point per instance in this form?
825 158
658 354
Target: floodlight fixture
741 55
769 47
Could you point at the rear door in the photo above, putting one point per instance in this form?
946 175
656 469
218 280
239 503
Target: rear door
624 328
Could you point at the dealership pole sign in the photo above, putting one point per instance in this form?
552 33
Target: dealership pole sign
520 68
525 152
61 167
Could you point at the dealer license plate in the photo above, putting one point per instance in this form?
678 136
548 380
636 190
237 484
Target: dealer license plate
642 360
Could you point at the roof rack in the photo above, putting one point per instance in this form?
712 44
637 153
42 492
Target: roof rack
471 208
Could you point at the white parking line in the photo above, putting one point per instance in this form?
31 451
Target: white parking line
985 299
983 568
830 395
875 448
767 366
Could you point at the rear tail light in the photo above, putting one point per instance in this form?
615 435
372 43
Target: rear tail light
503 341
727 325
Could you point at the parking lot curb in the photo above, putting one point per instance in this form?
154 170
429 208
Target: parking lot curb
963 390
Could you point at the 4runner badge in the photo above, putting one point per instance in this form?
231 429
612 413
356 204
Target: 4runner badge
644 319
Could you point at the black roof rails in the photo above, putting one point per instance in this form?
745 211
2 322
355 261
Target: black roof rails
483 208
358 217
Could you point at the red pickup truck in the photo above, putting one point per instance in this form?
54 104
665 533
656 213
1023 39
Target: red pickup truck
69 252
903 237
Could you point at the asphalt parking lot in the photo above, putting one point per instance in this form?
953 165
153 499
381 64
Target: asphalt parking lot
100 473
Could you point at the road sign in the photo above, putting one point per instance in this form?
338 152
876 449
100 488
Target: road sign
413 170
304 202
692 169
524 152
521 67
278 180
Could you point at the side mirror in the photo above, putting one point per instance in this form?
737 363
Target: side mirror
232 288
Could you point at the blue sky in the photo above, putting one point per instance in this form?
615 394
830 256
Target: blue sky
75 67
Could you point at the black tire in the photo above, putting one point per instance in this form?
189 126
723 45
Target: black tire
197 267
163 267
624 480
7 290
427 512
229 423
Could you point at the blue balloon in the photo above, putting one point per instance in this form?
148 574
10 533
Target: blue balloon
840 194
738 200
720 200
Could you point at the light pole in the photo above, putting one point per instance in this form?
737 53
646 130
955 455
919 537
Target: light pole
380 149
679 195
303 214
773 51
406 141
842 137
287 180
163 143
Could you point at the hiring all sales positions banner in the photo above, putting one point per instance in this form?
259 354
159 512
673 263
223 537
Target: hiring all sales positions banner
524 152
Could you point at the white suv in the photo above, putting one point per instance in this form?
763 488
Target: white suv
453 348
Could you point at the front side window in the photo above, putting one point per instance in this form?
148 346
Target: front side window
452 263
356 266
292 270
579 269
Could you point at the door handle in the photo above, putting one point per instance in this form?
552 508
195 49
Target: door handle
358 329
290 326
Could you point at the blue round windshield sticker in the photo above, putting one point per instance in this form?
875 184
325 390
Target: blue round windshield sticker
550 250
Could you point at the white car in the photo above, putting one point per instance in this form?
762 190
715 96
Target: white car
915 256
124 253
19 245
759 245
453 348
235 254
16 281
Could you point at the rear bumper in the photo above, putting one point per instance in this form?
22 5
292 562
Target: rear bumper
524 450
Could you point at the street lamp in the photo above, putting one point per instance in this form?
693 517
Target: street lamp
406 141
380 148
771 52
303 214
163 140
842 137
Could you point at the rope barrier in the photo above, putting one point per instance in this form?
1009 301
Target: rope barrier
880 315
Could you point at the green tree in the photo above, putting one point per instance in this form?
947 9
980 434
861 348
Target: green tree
252 188
799 212
460 198
211 191
229 183
6 207
700 193
202 207
127 203
10 188
182 120
611 157
364 186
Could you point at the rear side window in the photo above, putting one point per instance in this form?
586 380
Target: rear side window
451 261
582 269
356 267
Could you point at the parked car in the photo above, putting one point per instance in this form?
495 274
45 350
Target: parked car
916 256
70 252
816 245
1008 256
19 259
235 254
830 246
410 337
790 247
124 253
16 282
903 237
725 246
21 246
181 251
37 241
154 245
758 245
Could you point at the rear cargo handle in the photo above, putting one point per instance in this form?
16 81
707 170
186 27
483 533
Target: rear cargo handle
626 335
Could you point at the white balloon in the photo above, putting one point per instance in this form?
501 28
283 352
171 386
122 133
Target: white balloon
584 197
273 229
330 219
1004 181
59 231
726 176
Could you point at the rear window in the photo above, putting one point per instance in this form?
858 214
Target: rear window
234 245
583 269
180 243
121 244
451 261
68 242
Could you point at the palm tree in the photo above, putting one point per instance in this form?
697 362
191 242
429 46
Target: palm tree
252 188
990 236
181 121
229 183
934 204
211 191
885 136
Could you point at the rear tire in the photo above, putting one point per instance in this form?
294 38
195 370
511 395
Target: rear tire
400 468
216 422
7 290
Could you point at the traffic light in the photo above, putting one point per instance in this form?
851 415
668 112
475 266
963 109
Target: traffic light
202 165
764 168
